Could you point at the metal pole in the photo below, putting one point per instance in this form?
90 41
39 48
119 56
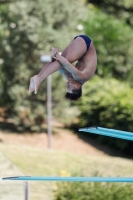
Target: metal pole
47 59
27 191
49 110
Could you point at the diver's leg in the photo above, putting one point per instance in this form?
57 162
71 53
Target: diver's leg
74 51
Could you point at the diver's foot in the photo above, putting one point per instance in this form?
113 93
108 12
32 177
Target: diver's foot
34 84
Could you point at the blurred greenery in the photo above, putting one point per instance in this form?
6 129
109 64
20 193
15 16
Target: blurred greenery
29 29
113 41
93 191
122 9
108 103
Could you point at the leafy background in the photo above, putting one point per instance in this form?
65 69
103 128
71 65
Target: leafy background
29 29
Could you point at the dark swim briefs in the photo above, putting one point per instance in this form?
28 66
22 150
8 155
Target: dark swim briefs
86 39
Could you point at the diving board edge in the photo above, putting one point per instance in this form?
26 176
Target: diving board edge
70 179
108 132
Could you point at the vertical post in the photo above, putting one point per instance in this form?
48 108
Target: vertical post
49 110
47 59
26 191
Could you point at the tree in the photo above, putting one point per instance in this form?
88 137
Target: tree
29 28
113 41
107 103
121 9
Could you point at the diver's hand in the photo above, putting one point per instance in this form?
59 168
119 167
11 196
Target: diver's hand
54 52
34 84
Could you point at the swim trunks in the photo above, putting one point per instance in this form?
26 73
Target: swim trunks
86 39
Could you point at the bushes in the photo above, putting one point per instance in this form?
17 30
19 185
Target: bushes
107 103
93 191
113 41
29 30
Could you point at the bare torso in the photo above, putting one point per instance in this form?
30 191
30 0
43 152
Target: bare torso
87 64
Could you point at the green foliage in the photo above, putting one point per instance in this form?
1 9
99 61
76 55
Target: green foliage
107 103
29 29
113 41
93 191
122 9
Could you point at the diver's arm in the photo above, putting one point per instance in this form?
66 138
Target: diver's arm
77 75
65 73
